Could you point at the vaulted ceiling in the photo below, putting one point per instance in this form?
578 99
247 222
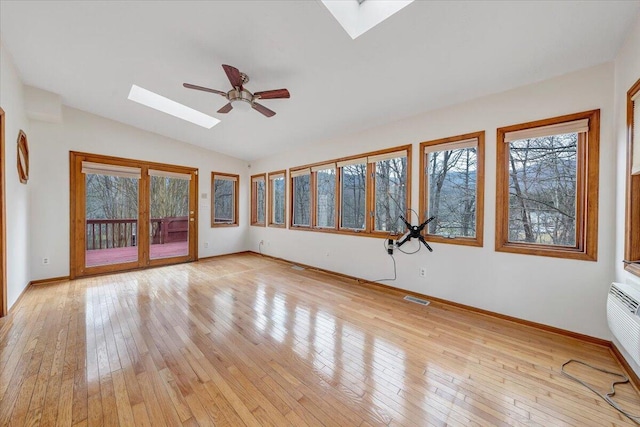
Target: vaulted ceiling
428 55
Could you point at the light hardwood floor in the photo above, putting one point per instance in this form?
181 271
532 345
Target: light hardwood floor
246 340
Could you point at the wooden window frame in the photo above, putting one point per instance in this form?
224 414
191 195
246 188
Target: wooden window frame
3 224
478 240
254 200
270 177
632 205
586 247
369 195
292 199
236 189
314 201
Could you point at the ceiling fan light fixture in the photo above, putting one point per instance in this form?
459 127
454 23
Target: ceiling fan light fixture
168 106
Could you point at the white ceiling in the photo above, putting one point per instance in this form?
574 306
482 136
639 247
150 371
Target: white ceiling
428 55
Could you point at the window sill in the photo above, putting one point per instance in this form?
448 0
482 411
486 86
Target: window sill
273 225
539 250
346 232
633 269
258 224
463 241
223 225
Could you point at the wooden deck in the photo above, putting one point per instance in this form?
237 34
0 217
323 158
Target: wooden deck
244 340
129 254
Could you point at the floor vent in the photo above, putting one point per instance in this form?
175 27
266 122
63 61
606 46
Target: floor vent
297 267
416 300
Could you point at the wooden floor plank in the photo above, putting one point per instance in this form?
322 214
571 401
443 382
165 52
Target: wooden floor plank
244 340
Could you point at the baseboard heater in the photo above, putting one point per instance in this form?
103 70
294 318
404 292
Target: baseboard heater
623 317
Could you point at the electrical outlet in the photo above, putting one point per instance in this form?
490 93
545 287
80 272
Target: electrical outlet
262 242
45 261
422 272
206 244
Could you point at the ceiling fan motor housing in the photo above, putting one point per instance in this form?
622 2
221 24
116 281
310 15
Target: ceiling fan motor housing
240 95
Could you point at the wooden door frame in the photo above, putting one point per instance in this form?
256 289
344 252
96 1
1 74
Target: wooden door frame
3 223
78 205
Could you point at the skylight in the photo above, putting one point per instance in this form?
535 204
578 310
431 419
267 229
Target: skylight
160 103
359 16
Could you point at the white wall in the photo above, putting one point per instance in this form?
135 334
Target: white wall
563 293
17 194
627 72
81 131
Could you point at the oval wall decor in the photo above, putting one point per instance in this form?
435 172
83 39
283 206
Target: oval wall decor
23 157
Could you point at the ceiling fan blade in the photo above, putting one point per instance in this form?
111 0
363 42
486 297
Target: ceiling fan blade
226 108
272 94
206 89
233 74
262 109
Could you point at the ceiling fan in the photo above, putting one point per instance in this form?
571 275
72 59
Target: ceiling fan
239 93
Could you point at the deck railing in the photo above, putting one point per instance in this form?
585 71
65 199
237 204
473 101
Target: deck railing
120 233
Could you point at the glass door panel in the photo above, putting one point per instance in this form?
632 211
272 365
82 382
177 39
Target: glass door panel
169 215
111 219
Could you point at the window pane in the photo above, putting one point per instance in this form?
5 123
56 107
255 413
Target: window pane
111 219
260 199
169 222
301 200
224 201
326 198
452 192
391 194
278 205
542 190
353 194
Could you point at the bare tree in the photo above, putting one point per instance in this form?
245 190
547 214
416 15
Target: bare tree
223 200
543 179
452 175
390 194
353 196
301 200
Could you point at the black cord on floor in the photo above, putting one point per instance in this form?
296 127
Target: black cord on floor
606 397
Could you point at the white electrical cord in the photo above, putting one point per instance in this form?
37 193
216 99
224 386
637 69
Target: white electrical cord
606 397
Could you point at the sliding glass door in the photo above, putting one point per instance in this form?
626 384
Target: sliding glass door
129 214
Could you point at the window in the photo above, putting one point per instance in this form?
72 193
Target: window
390 191
277 190
258 199
547 187
353 191
362 194
224 207
632 223
452 188
301 198
325 195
